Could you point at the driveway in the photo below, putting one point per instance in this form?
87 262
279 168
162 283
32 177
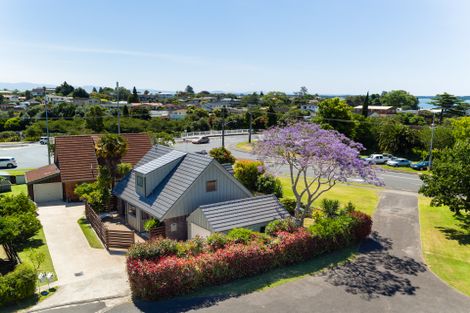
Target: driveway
83 273
387 276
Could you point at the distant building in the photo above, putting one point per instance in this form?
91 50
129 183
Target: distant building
85 101
54 99
311 106
219 104
37 92
377 110
159 113
178 114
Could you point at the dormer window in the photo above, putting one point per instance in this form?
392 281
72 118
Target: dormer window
140 181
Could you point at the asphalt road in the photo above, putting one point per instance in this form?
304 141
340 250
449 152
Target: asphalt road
388 275
32 155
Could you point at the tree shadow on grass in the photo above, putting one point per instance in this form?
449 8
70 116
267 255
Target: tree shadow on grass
210 296
462 235
376 272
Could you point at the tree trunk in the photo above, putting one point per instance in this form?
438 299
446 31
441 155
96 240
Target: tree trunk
11 253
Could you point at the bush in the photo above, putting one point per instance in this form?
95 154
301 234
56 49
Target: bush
337 230
8 136
363 225
153 249
247 172
285 225
222 155
151 224
269 184
330 207
216 241
289 204
241 235
17 285
190 247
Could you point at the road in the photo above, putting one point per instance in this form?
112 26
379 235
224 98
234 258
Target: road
388 275
35 155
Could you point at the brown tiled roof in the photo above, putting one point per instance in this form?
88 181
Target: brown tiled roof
41 173
76 158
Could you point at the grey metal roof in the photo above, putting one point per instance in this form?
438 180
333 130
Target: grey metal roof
170 189
227 215
160 162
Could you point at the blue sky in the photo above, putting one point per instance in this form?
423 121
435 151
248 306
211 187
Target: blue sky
329 46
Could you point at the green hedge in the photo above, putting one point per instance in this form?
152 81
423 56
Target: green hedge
18 284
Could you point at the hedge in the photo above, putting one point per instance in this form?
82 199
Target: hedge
171 275
18 284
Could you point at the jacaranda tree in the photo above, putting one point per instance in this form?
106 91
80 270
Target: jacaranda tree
317 159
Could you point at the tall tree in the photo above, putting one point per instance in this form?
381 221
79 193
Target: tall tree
365 106
134 97
80 93
449 183
94 89
272 116
317 159
400 99
64 89
94 118
448 103
110 149
189 90
337 114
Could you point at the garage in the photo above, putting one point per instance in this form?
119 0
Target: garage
47 192
44 184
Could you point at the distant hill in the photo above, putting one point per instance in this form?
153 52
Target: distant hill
23 86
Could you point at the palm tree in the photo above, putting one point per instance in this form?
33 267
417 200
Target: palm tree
110 149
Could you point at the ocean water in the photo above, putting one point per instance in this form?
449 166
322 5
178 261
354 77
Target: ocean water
425 103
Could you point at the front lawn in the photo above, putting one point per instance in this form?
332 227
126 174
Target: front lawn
17 189
38 243
90 234
402 169
446 244
364 197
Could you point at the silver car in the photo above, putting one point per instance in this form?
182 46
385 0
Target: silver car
399 162
8 162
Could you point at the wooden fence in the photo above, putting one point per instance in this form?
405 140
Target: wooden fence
110 238
157 232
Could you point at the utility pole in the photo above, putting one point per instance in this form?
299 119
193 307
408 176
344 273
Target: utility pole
119 108
223 126
47 128
432 140
250 127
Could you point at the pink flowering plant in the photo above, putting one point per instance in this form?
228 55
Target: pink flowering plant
317 159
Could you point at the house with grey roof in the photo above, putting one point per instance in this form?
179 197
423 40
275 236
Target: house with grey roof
252 213
169 185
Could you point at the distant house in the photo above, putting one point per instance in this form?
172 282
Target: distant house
75 162
159 113
37 92
170 185
177 114
377 110
85 101
311 106
219 104
54 99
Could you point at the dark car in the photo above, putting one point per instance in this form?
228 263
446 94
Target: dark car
423 165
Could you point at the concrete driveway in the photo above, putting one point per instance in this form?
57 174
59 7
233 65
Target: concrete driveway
388 276
83 273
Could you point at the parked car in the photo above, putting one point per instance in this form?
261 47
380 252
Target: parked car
423 165
201 139
389 156
8 162
376 159
43 140
399 162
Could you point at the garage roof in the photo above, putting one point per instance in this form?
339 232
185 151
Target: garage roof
227 215
42 173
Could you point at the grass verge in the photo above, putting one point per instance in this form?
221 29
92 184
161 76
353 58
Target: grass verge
89 233
402 169
244 146
38 243
446 244
16 172
364 197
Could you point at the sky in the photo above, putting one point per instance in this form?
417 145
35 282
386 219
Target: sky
329 46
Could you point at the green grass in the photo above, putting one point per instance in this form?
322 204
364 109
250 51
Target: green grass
446 244
89 233
17 189
16 171
29 302
38 243
245 146
365 198
278 276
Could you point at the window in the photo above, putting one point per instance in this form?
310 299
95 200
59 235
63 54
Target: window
140 181
131 210
173 227
211 185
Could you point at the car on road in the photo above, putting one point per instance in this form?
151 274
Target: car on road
44 140
399 162
201 139
420 166
377 159
8 162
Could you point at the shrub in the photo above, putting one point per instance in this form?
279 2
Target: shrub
335 230
151 224
222 155
289 204
363 225
153 249
190 247
216 241
7 136
269 184
330 207
349 207
285 225
17 285
241 235
247 172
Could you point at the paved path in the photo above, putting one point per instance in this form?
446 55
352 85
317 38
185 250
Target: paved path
83 273
388 276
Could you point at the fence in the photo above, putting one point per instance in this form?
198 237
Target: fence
157 232
228 132
111 238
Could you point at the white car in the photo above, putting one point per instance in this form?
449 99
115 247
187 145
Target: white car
376 159
8 162
43 140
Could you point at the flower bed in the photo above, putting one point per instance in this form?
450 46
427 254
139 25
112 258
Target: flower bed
161 269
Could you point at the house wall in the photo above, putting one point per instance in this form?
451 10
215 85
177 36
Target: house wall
176 228
196 230
196 195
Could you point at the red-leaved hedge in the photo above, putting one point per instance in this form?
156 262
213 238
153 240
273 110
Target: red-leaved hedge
171 275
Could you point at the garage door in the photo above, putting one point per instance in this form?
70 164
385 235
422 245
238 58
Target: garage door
198 230
47 192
